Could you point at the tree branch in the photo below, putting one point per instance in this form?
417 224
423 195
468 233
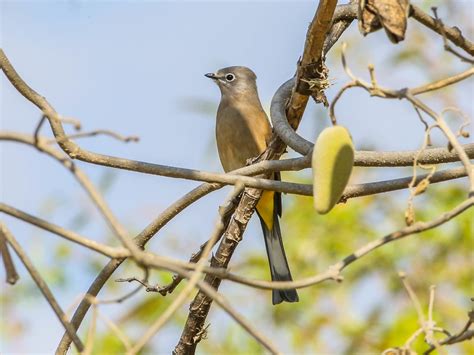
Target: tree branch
94 194
201 305
194 279
304 147
333 271
348 13
62 232
454 34
10 270
74 151
68 146
48 295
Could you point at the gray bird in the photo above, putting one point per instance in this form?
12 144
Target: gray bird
242 132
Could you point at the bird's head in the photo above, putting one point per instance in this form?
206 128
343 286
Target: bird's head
234 81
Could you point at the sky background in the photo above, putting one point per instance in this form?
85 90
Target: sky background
137 68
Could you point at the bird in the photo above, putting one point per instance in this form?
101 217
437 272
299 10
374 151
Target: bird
242 132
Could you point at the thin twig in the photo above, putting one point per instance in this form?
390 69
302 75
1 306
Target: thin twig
68 146
452 33
463 335
48 295
65 233
224 304
447 47
449 135
375 90
333 271
10 270
105 132
93 193
127 295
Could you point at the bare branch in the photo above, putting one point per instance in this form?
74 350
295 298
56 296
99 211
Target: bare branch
333 271
419 311
429 156
179 301
436 85
62 232
224 304
454 34
104 132
342 19
42 286
304 147
10 270
68 146
202 302
76 152
95 196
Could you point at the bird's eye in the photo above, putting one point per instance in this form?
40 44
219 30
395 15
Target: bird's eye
230 77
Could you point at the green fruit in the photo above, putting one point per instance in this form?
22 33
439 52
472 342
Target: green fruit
333 158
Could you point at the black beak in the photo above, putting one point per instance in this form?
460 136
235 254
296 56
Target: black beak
211 76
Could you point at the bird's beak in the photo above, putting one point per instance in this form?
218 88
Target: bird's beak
211 76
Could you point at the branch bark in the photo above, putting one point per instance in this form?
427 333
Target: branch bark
201 305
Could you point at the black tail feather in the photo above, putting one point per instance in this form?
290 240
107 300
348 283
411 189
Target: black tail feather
279 268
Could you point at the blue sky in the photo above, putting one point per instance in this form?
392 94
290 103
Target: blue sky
137 68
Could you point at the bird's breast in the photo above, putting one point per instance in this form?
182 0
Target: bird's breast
241 134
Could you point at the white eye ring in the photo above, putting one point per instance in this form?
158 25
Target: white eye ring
229 77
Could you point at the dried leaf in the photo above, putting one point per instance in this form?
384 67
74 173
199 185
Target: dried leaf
392 15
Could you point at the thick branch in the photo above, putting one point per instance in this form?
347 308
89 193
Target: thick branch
362 158
201 304
310 63
304 147
194 279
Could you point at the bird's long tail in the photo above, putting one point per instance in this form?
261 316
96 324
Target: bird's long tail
279 268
